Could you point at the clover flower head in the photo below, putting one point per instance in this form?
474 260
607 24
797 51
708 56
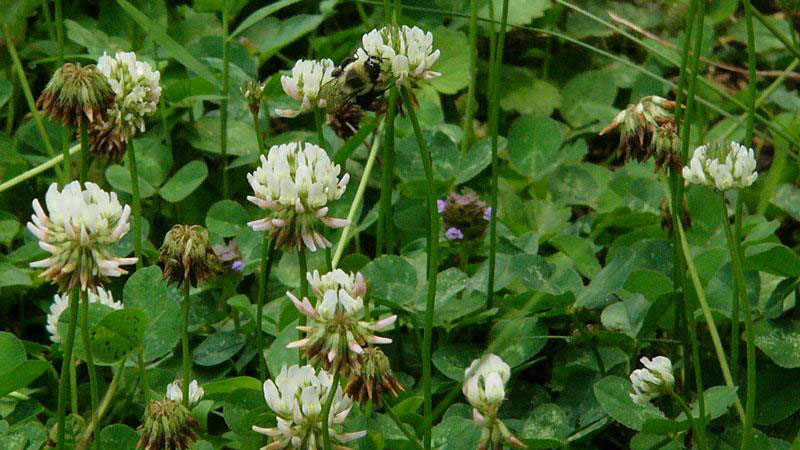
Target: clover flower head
78 231
647 128
76 90
187 255
167 424
61 304
654 380
296 397
296 182
175 392
465 216
373 379
304 85
722 167
338 334
136 91
407 53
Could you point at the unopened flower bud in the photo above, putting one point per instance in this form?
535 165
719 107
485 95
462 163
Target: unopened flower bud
253 92
167 425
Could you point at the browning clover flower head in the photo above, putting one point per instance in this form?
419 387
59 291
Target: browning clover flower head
61 304
654 380
722 166
373 379
168 425
79 231
304 85
346 120
253 91
484 387
296 182
407 53
296 397
187 255
465 216
75 91
647 128
136 91
338 333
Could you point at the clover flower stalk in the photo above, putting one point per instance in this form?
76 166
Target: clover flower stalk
305 85
168 423
722 167
339 332
61 303
484 388
407 53
296 396
188 259
79 230
136 95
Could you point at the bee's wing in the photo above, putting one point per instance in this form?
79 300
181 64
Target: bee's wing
331 91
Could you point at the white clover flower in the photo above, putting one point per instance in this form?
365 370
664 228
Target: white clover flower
61 304
652 381
407 53
175 392
296 182
304 85
79 232
296 397
721 167
136 88
338 334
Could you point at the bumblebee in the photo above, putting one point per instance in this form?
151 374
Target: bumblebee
355 80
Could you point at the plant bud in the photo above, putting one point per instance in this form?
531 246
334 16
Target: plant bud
187 255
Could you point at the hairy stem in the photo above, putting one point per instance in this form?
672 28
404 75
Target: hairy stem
63 384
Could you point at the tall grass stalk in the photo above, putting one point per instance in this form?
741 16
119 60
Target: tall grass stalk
223 104
32 172
136 205
494 118
63 384
433 262
699 430
469 115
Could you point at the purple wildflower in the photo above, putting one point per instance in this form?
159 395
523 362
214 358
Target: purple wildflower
487 214
440 205
453 234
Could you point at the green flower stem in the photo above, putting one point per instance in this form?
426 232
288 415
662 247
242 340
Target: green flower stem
469 132
136 205
87 348
403 427
84 130
26 90
259 135
30 173
362 186
223 104
738 269
187 359
319 122
267 254
494 114
699 431
302 266
433 262
73 387
712 327
385 222
326 411
65 367
83 440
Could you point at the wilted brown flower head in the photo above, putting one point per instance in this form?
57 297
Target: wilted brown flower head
373 379
647 128
465 216
187 255
168 425
75 91
346 120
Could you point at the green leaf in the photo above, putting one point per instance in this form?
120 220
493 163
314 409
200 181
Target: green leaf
613 394
16 371
453 63
259 14
610 279
147 291
117 437
5 91
241 136
118 334
773 258
391 278
120 179
580 251
518 340
780 340
524 93
226 218
159 34
520 12
453 359
477 158
626 316
787 198
444 153
533 143
777 399
220 388
241 409
279 355
587 100
218 348
13 276
546 427
185 181
455 433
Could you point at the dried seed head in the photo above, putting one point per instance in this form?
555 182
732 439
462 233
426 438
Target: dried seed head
374 379
168 425
75 91
187 255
